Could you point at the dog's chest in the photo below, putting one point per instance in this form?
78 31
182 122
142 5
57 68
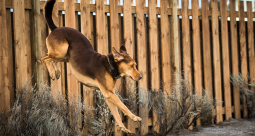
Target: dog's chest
89 82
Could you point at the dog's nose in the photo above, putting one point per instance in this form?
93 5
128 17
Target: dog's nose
140 77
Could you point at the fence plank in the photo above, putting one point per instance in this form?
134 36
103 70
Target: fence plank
186 41
44 48
100 31
154 48
242 35
5 93
250 41
225 59
36 42
165 47
142 63
234 52
174 43
19 44
216 60
206 51
186 44
196 52
27 50
129 44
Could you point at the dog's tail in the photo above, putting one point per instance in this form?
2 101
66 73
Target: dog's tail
48 14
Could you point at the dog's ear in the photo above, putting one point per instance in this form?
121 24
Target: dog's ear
123 49
117 56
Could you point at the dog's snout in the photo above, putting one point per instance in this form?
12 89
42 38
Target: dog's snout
140 77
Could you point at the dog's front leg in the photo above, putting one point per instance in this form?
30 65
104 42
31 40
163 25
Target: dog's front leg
116 116
112 97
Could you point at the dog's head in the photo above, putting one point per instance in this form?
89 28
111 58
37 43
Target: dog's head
126 65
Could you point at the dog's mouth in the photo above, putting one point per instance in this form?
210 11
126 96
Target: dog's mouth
133 78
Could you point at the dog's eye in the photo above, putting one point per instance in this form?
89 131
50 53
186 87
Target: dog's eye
132 66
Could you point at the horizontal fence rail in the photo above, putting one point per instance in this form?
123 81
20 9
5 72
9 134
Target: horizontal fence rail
209 43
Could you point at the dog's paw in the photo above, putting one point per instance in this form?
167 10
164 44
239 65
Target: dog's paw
57 73
123 129
52 75
136 118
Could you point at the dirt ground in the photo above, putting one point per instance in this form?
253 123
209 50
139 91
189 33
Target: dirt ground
232 127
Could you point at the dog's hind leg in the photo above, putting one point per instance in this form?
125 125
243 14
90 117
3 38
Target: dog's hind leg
57 52
48 62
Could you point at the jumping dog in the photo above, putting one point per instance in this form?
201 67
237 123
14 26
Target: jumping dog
94 70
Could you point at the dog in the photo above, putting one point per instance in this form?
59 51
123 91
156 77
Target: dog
93 69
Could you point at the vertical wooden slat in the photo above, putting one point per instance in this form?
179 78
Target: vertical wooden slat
186 41
36 42
165 47
174 43
100 28
186 44
225 59
5 93
27 42
85 19
141 47
216 59
114 24
197 52
206 51
19 43
129 44
154 48
242 35
44 48
234 53
251 41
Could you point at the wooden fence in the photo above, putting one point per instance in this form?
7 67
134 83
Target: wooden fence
208 47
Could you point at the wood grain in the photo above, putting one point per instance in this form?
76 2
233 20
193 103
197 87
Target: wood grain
5 93
234 52
142 62
250 41
225 59
216 60
197 60
206 52
243 49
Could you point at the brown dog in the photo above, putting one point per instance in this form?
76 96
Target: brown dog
89 67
